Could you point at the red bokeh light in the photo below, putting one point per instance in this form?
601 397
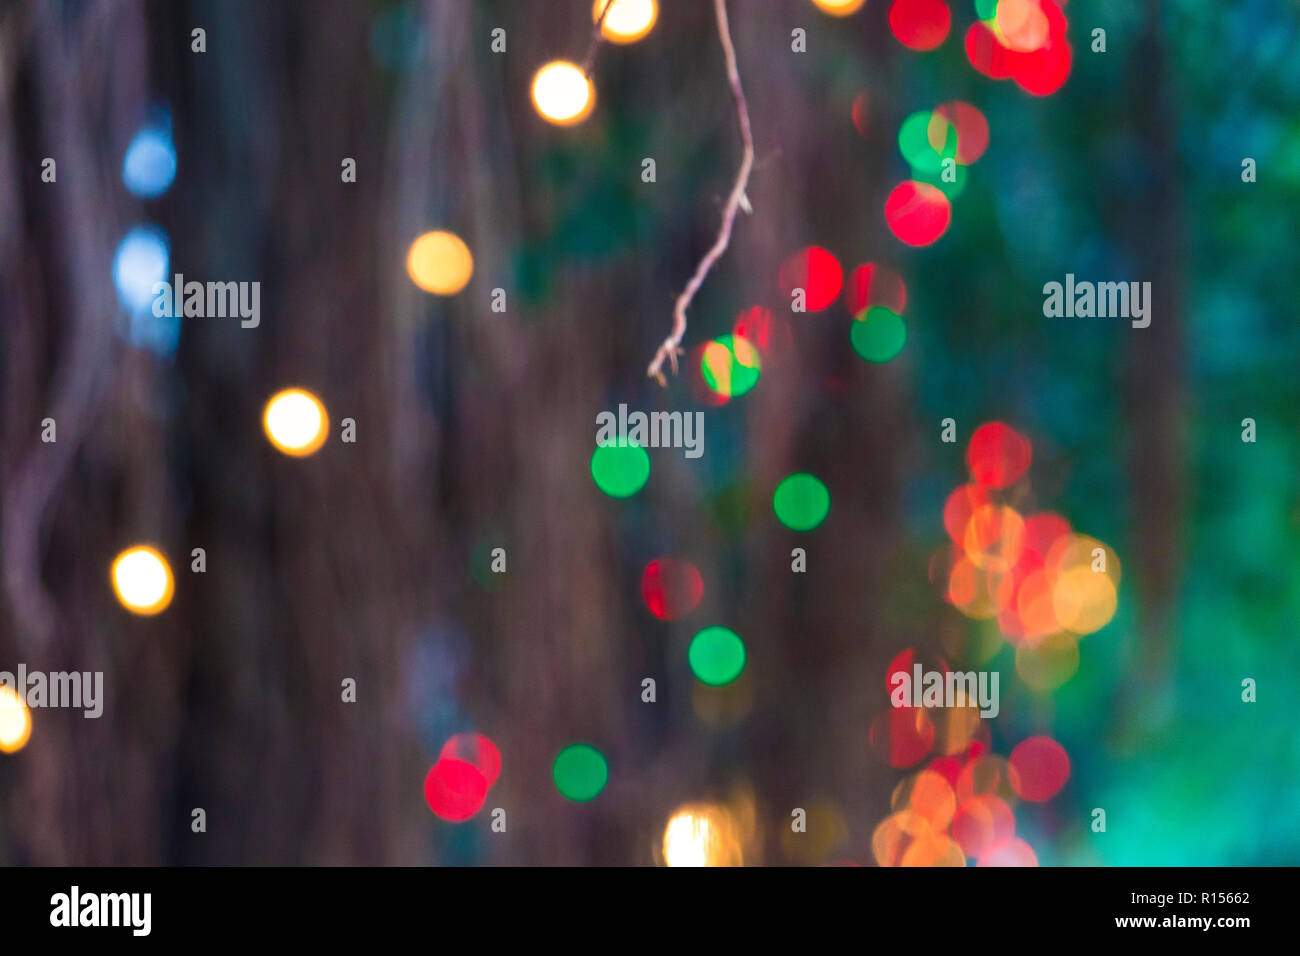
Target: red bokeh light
998 455
920 24
1039 768
902 736
477 751
671 588
872 284
454 789
1042 71
918 213
985 53
972 130
815 271
1038 65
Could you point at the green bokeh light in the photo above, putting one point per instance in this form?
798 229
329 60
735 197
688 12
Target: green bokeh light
914 142
801 501
580 772
620 469
879 335
717 656
986 10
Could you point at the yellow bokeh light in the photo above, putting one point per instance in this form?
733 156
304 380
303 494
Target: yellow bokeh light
1085 575
894 835
1084 600
839 8
142 580
1051 662
15 721
993 538
440 262
627 20
701 835
562 93
933 849
295 422
930 798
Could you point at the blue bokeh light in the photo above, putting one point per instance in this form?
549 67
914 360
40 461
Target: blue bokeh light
150 163
142 259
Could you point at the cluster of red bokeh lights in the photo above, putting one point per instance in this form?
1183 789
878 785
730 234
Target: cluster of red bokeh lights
1021 40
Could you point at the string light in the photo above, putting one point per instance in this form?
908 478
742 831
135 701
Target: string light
15 721
839 8
562 94
627 20
701 836
142 580
295 422
439 262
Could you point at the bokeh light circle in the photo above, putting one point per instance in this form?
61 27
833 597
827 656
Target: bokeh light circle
580 772
987 775
1048 663
928 795
933 849
142 580
1022 25
626 21
454 789
917 213
994 538
901 736
839 8
141 261
879 336
15 721
986 53
716 656
1013 852
671 588
295 422
562 93
620 468
477 751
982 822
439 262
730 365
801 501
998 455
925 140
971 129
702 835
920 24
873 284
817 272
1038 768
149 166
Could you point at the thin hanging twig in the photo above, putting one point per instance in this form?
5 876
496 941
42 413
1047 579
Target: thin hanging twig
671 347
590 60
